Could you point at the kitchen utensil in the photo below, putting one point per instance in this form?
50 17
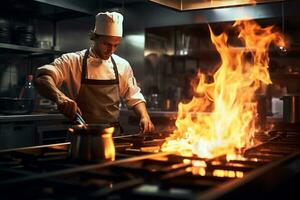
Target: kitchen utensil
5 33
291 108
44 44
25 35
92 142
80 120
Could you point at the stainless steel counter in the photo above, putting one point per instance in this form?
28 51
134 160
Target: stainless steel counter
46 116
152 113
31 117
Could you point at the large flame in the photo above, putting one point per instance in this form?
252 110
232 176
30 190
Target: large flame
230 126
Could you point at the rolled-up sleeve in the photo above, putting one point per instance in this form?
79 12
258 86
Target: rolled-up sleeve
130 91
58 69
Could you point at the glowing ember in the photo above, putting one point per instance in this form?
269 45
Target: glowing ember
230 126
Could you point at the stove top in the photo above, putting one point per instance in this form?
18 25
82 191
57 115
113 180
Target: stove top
141 171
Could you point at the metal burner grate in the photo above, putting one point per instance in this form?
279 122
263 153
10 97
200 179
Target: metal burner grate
266 170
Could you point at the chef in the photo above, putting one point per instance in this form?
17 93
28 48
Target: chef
93 80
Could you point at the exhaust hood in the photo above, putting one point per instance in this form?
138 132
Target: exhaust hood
185 5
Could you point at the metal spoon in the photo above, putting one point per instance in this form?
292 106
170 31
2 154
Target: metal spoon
80 120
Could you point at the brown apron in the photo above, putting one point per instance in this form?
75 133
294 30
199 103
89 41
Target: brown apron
99 99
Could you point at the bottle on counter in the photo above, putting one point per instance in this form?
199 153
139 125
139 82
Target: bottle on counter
153 101
28 90
26 97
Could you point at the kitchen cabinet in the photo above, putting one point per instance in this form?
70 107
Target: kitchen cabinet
35 129
50 132
13 135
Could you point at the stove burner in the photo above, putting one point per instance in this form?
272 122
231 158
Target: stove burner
142 172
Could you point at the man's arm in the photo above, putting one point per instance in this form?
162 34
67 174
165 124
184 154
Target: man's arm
145 122
46 87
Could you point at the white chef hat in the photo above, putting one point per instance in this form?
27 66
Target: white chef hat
109 23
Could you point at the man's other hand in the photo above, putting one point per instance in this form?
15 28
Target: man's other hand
146 126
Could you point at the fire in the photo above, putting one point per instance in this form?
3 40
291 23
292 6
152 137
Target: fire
230 124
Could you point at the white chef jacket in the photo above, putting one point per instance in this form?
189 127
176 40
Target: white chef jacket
66 70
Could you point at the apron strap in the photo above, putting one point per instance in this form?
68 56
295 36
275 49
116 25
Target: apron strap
115 68
84 65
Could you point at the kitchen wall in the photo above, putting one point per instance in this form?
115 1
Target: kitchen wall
141 18
72 34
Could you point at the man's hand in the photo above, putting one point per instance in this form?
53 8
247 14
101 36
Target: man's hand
146 126
69 108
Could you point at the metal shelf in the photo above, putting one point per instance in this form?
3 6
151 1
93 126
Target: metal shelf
48 10
33 51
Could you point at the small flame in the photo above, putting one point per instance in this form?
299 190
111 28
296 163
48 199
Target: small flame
230 124
227 173
197 170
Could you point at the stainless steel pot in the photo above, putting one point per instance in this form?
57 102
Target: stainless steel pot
291 108
92 142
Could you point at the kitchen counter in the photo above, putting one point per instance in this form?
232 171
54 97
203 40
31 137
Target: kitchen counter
32 129
161 119
153 113
173 115
48 116
31 117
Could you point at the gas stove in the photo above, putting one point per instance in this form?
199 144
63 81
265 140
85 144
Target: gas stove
141 171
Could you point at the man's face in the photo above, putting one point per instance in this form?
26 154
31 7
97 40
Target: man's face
105 46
